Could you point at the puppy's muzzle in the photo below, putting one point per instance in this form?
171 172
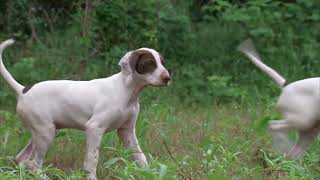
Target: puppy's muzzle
165 77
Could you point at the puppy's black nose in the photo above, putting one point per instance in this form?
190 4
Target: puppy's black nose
166 79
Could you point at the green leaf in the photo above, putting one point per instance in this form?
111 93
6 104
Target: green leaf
163 171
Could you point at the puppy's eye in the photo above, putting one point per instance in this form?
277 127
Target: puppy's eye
149 61
146 66
162 61
150 64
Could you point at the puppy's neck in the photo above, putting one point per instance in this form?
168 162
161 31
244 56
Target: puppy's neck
134 87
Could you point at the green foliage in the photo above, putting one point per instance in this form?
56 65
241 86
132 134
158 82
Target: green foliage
90 43
262 124
222 88
14 19
127 24
215 93
218 142
131 171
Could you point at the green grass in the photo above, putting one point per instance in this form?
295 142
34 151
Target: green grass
200 142
187 137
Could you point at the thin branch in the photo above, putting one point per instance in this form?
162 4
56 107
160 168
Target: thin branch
34 35
169 152
46 15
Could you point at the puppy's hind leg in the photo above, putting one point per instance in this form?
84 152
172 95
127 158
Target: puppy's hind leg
41 139
305 138
25 153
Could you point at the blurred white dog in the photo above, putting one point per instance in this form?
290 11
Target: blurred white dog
97 106
299 104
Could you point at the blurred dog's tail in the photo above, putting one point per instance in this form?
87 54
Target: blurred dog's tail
4 72
247 47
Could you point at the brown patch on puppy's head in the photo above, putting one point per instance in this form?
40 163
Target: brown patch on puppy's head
146 63
146 66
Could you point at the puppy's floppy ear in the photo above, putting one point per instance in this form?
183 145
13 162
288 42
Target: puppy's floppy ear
129 60
124 63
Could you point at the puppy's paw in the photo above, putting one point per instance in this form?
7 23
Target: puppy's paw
140 159
91 177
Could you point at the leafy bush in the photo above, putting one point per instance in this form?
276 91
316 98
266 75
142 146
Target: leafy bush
197 42
126 23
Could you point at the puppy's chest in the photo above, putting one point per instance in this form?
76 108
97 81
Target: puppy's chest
123 115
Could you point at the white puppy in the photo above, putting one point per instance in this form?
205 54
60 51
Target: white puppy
299 104
97 106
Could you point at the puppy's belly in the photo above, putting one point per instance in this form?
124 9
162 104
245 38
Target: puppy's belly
78 120
67 122
68 118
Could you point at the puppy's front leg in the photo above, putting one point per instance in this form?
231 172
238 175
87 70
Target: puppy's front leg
129 139
94 135
128 136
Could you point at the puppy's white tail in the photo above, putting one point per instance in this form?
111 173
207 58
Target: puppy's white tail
4 72
247 47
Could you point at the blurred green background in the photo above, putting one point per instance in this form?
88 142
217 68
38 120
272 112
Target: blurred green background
85 39
198 38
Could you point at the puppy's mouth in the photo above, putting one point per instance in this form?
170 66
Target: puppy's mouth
163 84
167 83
